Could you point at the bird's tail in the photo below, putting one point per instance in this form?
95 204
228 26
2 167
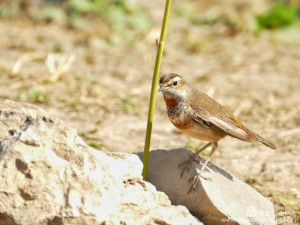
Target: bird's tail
265 142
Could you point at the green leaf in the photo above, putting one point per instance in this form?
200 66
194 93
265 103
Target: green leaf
280 15
287 199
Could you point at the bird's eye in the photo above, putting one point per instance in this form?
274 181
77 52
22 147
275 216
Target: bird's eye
175 83
161 80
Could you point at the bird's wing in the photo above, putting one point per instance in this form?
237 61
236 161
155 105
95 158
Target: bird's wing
207 111
231 125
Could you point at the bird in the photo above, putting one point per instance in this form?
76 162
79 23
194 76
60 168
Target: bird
199 116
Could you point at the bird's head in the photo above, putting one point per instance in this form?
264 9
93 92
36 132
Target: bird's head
173 86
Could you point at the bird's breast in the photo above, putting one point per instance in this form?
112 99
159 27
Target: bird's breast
182 120
178 116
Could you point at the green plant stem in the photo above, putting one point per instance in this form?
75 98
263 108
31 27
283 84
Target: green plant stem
160 47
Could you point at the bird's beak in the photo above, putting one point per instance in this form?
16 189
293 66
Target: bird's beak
160 89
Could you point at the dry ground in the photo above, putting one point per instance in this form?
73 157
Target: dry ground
104 94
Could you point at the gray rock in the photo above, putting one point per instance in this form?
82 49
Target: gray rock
50 176
221 199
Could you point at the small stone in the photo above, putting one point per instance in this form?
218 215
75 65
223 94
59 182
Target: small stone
218 199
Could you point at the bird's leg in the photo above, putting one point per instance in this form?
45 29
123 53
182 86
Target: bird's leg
187 163
200 174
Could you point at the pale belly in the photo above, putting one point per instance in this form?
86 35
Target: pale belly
195 130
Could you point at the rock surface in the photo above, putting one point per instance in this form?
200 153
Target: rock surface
220 199
50 176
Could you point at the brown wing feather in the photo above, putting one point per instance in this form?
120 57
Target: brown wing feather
217 116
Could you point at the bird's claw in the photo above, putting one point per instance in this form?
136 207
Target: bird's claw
195 180
186 165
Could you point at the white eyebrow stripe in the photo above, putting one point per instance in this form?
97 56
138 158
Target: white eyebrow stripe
176 79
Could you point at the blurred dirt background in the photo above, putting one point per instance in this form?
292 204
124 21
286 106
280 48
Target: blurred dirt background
91 65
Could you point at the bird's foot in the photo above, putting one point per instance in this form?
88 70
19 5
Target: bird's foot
186 165
195 179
